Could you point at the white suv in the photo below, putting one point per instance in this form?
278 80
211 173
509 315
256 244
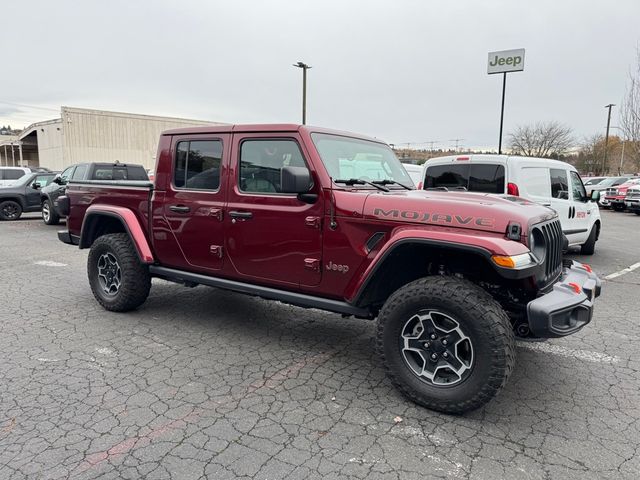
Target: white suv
8 175
551 183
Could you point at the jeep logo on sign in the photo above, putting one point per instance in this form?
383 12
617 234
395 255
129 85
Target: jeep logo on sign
506 61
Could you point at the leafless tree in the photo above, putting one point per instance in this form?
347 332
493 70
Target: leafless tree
630 114
542 139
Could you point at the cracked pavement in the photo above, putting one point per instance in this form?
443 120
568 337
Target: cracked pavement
203 383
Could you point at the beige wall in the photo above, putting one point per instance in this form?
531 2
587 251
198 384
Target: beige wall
50 145
100 136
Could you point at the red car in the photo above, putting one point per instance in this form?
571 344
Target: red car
615 196
327 219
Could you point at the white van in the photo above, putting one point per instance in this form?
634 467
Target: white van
8 175
552 183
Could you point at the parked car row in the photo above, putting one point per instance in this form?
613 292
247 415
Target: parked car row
34 191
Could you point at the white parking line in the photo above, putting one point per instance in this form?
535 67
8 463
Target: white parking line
49 263
623 271
586 355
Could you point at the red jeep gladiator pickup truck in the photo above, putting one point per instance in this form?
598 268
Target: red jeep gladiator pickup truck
331 220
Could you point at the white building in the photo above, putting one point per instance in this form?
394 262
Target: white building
83 135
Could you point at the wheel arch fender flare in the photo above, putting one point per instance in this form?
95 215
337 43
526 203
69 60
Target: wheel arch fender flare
126 218
15 198
483 246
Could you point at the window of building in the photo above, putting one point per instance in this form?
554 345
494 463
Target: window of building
197 164
262 160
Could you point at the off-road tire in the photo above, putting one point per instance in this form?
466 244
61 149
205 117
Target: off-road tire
53 218
483 320
135 278
10 210
589 247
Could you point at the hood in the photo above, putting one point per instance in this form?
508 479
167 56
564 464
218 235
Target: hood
477 211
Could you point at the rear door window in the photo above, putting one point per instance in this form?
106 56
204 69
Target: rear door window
474 177
486 178
559 183
448 176
197 165
13 174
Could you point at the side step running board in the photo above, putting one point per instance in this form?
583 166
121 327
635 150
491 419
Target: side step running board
298 299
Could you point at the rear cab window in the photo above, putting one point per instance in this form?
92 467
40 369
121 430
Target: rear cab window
197 165
474 177
119 172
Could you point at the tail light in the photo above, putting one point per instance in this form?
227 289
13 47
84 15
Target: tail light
512 189
419 185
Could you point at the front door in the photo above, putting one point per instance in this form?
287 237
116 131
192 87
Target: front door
193 202
271 236
581 208
561 201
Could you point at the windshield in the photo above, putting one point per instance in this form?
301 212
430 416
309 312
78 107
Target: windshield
348 158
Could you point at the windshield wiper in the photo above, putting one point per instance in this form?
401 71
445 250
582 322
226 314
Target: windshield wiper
387 181
358 181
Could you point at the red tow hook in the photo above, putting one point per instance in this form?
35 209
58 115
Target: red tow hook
576 288
587 267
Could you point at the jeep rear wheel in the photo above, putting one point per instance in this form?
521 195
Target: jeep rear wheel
446 344
119 281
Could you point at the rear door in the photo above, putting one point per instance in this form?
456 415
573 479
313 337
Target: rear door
194 201
271 236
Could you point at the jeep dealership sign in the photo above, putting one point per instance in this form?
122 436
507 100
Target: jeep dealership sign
506 61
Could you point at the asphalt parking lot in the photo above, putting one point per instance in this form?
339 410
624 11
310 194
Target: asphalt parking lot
202 383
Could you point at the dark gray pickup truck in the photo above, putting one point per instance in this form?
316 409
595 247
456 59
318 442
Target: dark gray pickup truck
85 171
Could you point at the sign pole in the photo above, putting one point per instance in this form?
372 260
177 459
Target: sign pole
504 87
503 62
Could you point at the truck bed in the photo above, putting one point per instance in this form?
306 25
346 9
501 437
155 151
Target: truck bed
135 195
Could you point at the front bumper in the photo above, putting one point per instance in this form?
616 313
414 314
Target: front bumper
632 204
568 307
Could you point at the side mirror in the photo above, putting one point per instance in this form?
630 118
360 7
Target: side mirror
58 179
295 180
595 195
35 186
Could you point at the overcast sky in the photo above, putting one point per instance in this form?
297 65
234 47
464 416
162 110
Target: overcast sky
404 71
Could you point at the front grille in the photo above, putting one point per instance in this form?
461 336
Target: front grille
554 241
633 194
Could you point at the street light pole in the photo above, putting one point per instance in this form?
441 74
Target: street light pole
606 138
304 68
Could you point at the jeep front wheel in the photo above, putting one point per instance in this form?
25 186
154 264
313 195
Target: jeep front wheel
119 281
446 343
